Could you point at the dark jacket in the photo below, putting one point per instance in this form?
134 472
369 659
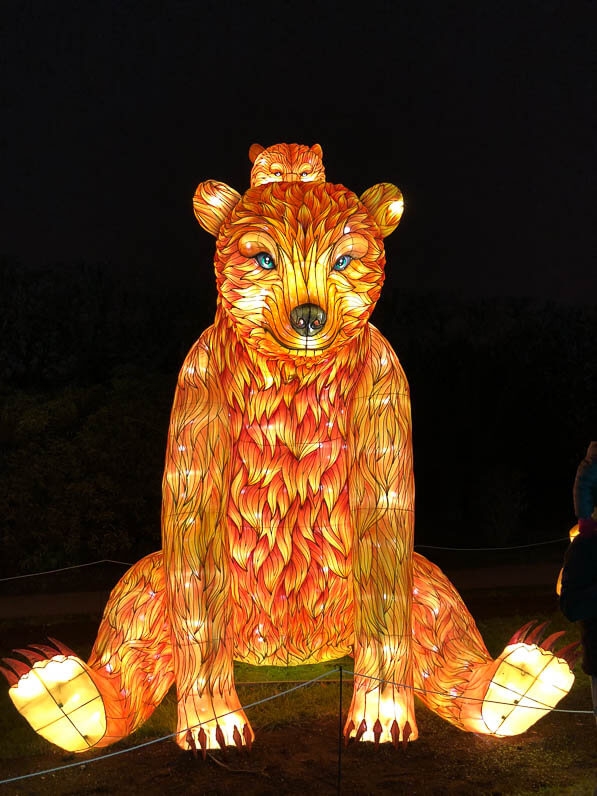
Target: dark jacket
578 599
585 485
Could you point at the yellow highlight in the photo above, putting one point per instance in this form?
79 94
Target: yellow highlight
288 502
61 702
528 682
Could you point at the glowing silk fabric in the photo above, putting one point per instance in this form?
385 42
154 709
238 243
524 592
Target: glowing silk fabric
288 499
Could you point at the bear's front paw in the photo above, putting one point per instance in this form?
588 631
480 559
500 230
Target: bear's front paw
212 722
382 714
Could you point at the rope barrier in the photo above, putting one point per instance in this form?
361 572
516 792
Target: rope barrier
163 737
479 549
301 684
416 547
64 569
539 706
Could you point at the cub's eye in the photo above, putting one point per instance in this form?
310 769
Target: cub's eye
342 262
304 173
266 261
277 173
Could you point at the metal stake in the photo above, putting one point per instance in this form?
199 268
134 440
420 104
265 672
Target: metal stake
340 737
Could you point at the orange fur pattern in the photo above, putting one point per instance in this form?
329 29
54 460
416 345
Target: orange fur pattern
286 163
318 518
288 491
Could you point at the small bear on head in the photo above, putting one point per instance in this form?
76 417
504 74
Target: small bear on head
286 163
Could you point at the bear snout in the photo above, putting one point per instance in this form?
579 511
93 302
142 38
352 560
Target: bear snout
308 320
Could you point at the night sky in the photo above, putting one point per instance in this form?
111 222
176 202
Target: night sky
478 111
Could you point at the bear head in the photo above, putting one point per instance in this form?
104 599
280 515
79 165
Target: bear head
299 266
286 163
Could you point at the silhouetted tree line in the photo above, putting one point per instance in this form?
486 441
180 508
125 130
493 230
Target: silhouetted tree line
503 395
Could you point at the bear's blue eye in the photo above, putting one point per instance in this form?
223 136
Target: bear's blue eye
342 262
266 261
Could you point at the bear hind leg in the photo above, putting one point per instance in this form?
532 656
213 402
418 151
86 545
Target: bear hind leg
455 676
78 705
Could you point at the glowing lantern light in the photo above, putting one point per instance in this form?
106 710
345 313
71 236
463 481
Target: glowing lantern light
61 703
531 677
572 533
288 504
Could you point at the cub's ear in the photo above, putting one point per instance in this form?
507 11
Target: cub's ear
254 151
385 203
317 150
212 202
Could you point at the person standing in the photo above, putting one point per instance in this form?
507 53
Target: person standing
578 600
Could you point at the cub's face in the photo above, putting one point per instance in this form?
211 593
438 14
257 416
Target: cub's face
300 266
286 163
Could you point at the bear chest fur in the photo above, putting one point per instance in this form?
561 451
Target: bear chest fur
289 529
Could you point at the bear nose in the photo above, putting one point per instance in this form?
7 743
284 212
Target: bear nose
308 319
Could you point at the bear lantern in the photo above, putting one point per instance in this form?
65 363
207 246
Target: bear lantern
288 504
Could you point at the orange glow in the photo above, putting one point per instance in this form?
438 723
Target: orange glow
60 701
534 678
286 163
288 498
572 533
457 677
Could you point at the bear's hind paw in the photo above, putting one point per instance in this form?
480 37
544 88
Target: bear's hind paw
57 696
529 681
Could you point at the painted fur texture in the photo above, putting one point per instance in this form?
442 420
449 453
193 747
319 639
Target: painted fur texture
286 163
288 504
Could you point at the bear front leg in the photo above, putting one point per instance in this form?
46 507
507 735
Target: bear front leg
381 492
197 559
382 708
209 711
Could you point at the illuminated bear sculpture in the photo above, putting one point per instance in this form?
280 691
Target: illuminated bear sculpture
288 501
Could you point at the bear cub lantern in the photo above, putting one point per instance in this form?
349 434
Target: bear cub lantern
288 496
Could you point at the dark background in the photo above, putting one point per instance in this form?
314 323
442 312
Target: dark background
116 110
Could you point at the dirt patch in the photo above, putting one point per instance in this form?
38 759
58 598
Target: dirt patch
558 754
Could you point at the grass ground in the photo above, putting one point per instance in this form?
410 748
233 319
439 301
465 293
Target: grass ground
296 750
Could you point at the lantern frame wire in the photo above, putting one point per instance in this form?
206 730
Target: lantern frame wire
288 498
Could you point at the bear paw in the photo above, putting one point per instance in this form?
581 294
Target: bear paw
57 696
213 722
383 714
529 680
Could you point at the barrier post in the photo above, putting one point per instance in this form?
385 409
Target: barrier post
340 738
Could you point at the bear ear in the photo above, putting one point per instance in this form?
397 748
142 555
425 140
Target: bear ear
254 151
317 150
212 203
385 203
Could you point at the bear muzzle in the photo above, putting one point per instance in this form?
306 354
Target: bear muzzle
308 320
